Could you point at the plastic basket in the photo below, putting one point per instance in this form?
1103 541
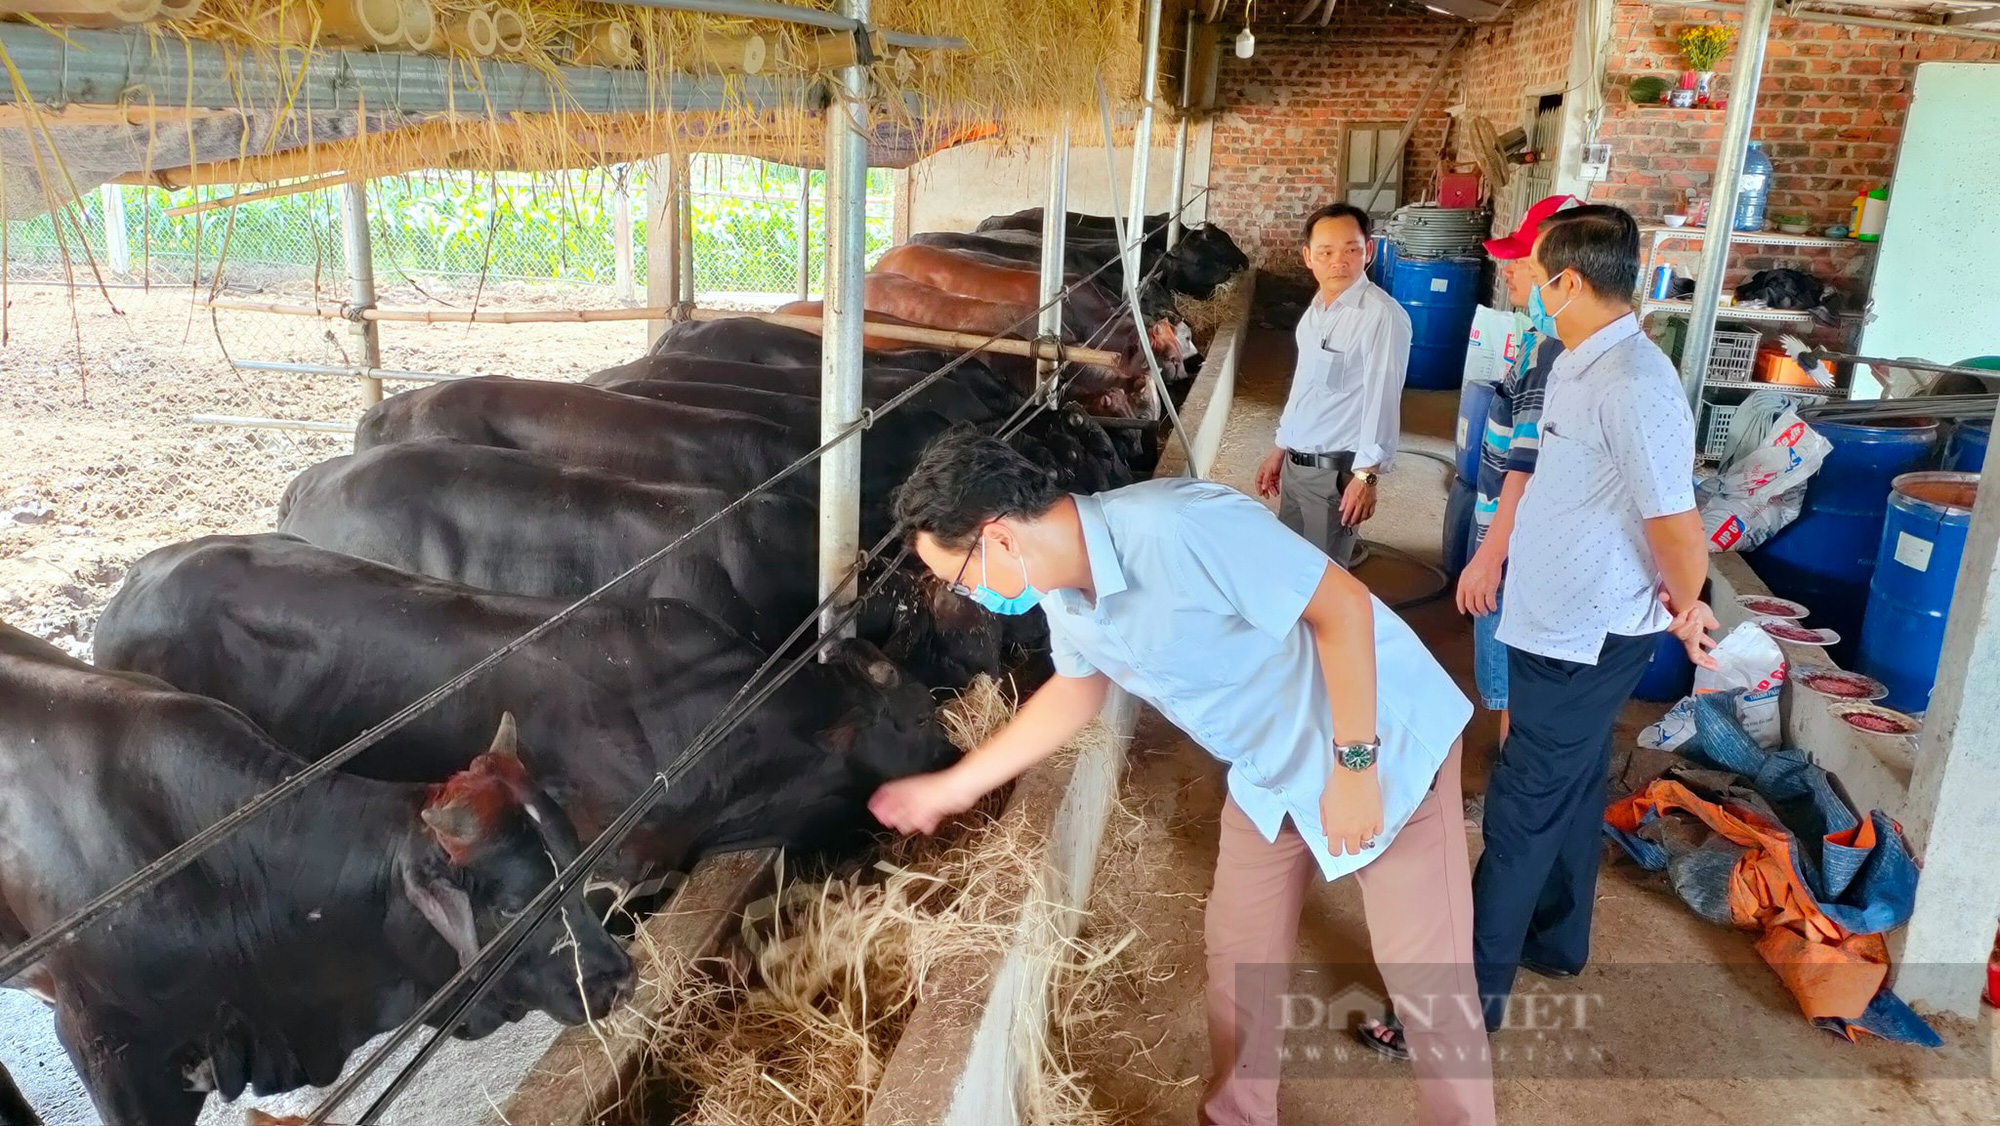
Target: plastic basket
1715 437
1732 356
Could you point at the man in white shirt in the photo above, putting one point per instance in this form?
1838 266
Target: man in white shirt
1607 551
1340 732
1344 411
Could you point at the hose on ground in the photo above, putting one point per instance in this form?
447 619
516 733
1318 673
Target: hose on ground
1369 547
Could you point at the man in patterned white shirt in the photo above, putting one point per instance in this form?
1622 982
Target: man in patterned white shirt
1607 551
1343 414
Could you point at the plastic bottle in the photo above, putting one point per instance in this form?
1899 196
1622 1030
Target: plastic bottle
1871 210
1754 190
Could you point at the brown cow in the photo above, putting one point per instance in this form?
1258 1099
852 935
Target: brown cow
957 273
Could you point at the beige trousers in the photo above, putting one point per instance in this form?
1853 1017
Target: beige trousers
1418 899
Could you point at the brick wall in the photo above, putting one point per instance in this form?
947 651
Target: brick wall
1830 114
1504 64
1278 143
1277 146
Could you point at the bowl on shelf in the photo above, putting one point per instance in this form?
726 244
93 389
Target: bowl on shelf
1836 231
1794 228
1674 220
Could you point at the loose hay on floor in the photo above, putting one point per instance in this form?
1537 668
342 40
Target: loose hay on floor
838 967
1206 316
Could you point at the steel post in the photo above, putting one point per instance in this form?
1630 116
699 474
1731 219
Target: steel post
684 228
1743 82
805 226
1181 136
361 285
1178 199
841 333
1142 137
1054 230
621 234
117 249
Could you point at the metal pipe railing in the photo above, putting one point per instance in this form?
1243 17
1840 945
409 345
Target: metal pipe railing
844 314
1142 135
1055 232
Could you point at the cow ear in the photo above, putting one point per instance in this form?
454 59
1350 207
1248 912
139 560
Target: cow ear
839 738
456 826
446 907
882 673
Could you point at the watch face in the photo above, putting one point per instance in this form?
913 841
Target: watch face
1357 756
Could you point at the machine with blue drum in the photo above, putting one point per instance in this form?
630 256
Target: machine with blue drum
1909 597
1825 557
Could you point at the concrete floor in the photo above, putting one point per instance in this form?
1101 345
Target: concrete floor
1692 1028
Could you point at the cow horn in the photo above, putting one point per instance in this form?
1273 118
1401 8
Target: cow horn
882 673
506 741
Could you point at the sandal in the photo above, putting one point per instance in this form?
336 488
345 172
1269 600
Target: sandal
1385 1037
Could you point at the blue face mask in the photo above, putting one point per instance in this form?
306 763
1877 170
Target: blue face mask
995 602
1540 315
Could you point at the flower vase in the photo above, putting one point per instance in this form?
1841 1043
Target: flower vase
1682 97
1703 81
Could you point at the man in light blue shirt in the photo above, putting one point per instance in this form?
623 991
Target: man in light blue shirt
1339 731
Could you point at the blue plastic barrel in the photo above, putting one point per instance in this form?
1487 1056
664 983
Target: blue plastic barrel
1909 598
1383 263
1458 528
1669 674
1965 450
1475 398
1825 557
1440 295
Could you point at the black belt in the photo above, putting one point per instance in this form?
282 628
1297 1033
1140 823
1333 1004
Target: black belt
1343 459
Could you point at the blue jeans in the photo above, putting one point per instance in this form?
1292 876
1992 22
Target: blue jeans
1489 660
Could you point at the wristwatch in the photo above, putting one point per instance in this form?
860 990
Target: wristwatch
1367 477
1357 756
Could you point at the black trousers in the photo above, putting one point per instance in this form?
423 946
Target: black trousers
1536 883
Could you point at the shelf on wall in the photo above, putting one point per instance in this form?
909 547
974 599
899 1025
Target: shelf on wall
1661 235
1728 312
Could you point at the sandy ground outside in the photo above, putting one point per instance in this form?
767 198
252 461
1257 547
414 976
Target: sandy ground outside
1693 1028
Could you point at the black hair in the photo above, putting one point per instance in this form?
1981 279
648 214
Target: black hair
966 479
1599 242
1336 211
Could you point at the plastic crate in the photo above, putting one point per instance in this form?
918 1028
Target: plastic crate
1732 356
1718 422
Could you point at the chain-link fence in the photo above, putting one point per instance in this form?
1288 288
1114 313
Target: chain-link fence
758 231
101 383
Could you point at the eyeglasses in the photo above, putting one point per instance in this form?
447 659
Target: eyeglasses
957 585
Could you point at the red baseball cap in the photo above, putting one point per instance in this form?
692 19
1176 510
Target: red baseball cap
1522 242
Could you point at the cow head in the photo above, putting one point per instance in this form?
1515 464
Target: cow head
1204 258
887 726
495 841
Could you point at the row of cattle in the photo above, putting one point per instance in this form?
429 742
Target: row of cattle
470 512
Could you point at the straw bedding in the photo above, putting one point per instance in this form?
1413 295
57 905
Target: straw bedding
838 966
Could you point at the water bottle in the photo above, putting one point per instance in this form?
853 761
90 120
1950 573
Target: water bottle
1754 190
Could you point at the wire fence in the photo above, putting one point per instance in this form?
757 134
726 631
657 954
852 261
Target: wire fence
102 384
756 232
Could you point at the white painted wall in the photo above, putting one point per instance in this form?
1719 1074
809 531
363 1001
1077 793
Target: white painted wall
1937 293
955 189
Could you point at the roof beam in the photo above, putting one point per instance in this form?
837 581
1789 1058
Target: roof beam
1810 15
1974 17
82 67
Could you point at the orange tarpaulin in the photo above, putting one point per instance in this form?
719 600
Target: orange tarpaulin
1830 970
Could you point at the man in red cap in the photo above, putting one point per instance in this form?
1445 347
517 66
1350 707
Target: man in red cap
1507 455
1506 460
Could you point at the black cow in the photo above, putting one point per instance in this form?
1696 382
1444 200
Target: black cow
952 399
519 523
752 341
1204 258
639 437
318 646
291 942
14 1110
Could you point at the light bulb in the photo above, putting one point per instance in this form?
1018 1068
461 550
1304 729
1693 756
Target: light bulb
1246 43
